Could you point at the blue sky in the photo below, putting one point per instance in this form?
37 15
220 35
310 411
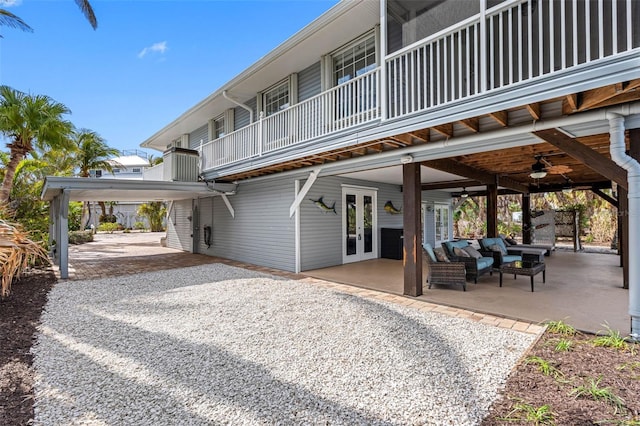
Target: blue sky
147 62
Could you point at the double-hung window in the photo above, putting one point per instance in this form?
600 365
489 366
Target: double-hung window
276 98
354 60
218 127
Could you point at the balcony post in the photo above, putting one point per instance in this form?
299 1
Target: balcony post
382 81
483 46
260 135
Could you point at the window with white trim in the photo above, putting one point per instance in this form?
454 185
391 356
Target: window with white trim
354 60
218 127
136 170
276 98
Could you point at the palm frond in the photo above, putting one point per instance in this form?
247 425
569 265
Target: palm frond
87 11
8 19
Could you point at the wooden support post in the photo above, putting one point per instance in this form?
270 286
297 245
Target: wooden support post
412 246
63 232
623 234
526 218
492 210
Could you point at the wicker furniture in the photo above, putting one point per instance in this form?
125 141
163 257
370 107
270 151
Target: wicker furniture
496 248
529 269
475 267
444 273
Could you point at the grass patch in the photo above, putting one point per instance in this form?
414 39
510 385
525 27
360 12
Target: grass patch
612 339
543 366
563 345
593 390
560 327
526 412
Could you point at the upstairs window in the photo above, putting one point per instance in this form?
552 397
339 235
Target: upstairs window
276 98
218 127
354 60
136 170
116 170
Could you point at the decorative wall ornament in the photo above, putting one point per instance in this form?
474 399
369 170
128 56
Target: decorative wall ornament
389 208
322 206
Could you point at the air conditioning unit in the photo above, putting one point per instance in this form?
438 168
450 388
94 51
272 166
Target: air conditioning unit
180 164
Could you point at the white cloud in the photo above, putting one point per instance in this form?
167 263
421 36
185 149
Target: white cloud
10 3
159 47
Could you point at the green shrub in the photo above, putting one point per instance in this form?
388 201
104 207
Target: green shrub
107 218
108 227
80 237
139 225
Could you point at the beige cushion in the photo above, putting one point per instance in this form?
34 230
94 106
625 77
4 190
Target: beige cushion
441 255
460 252
473 252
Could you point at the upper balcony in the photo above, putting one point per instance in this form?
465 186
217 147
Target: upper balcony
545 49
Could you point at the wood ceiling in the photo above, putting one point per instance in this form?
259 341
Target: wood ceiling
510 167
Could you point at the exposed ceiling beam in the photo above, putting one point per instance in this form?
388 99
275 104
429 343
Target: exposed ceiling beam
444 129
472 124
456 168
501 117
585 155
534 110
450 184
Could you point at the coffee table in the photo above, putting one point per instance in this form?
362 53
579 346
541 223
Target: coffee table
523 267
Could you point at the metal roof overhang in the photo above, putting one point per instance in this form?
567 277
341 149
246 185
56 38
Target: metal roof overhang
87 189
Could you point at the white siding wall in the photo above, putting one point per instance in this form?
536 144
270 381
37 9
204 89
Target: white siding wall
431 197
261 232
309 82
201 133
179 226
241 116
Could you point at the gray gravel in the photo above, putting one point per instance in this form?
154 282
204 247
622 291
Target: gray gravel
216 344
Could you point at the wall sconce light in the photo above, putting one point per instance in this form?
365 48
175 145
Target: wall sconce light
406 159
464 193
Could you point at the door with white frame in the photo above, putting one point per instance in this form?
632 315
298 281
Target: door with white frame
359 224
441 220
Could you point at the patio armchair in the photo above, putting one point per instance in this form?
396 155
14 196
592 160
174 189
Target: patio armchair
496 248
476 263
444 272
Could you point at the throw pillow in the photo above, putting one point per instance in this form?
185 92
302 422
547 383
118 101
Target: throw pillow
441 255
511 241
473 252
505 242
460 252
496 247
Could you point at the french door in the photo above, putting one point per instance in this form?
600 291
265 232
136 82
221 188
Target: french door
441 223
359 224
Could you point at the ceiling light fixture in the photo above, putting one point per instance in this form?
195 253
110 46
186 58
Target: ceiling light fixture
464 193
567 188
537 169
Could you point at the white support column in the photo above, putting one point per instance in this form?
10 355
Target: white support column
54 226
63 240
297 228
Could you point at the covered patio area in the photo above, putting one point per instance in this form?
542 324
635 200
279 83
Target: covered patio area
584 289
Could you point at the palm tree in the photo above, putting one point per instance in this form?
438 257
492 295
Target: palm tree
155 212
29 122
8 19
91 153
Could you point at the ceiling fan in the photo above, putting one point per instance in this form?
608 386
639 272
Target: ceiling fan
542 167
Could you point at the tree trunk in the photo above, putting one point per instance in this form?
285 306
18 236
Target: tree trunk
9 174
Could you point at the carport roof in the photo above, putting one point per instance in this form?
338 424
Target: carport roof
88 189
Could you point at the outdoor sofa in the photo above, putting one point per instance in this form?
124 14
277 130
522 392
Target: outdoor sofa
476 263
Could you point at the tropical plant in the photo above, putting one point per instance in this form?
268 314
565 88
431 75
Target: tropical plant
560 327
108 227
593 390
155 212
17 252
523 411
29 122
8 19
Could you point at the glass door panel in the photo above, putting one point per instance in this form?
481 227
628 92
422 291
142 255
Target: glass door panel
360 230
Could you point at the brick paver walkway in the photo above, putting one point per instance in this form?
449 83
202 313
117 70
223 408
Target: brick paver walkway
113 255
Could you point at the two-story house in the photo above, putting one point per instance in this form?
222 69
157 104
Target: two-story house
402 103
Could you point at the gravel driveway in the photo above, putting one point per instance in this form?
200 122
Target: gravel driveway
215 344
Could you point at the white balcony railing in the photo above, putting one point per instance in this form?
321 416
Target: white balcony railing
517 41
349 104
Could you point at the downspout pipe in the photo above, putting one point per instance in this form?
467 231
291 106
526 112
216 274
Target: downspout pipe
241 105
617 149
